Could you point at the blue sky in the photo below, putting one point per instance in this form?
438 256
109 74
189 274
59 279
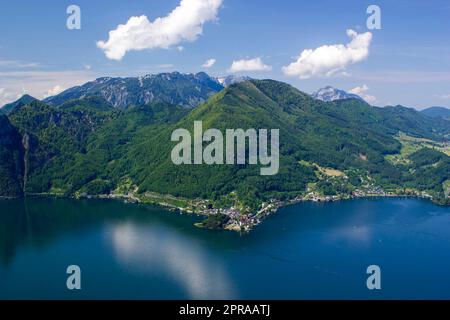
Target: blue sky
407 62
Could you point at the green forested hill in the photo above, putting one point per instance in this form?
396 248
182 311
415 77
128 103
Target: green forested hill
413 122
437 112
71 146
25 99
86 146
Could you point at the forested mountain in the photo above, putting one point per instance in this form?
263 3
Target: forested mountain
437 112
91 146
25 99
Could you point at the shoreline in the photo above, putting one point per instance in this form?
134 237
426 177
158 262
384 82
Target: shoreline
233 219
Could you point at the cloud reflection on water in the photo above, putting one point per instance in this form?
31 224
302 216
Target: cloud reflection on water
148 250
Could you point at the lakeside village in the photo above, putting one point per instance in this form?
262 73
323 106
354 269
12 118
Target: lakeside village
233 219
241 219
230 213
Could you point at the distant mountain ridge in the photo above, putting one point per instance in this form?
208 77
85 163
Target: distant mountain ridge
187 90
231 79
437 112
329 94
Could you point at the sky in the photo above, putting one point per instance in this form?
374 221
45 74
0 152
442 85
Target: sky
309 44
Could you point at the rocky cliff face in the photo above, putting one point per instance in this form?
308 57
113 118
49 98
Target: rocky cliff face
329 94
187 90
11 160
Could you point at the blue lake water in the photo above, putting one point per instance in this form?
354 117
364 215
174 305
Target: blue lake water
306 251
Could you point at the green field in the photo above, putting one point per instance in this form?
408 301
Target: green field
411 144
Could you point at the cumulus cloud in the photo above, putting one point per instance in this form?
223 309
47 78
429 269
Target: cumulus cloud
7 96
37 83
362 92
183 24
54 91
249 65
4 97
329 59
209 63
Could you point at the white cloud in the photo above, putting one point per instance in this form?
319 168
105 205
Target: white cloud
209 63
18 64
249 65
54 91
37 83
329 59
184 23
4 97
362 92
445 96
7 96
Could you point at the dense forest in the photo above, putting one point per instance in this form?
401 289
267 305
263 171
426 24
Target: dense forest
87 146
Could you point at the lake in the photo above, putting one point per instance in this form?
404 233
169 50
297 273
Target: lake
306 251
